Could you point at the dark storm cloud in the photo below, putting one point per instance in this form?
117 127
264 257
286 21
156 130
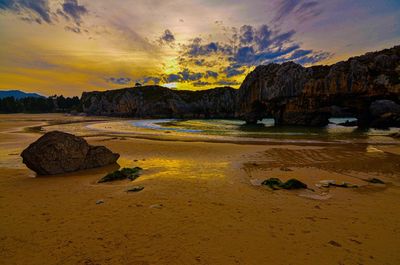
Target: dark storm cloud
39 8
119 80
72 9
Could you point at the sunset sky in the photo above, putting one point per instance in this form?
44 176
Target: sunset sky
69 46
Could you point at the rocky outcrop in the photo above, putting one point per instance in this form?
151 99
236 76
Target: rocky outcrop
58 152
384 114
295 95
161 102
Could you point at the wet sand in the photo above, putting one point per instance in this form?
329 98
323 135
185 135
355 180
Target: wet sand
199 205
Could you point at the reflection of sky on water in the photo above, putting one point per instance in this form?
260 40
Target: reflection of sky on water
265 129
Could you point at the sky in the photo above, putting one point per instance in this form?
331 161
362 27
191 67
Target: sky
70 46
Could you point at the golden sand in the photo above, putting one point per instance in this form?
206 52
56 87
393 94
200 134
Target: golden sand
199 205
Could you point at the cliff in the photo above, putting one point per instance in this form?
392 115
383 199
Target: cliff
295 95
161 102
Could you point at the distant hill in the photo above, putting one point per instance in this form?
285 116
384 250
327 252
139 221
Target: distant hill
17 94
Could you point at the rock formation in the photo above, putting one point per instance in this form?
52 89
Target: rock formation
295 95
58 152
161 102
288 92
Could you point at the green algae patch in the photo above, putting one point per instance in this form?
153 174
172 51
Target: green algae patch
124 173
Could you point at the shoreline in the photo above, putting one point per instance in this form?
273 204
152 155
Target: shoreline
92 127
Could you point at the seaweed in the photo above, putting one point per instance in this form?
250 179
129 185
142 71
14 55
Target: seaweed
273 183
291 184
124 173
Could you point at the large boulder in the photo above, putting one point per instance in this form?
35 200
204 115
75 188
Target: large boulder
385 114
381 107
58 152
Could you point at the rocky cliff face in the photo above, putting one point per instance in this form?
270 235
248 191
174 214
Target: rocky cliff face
161 102
296 95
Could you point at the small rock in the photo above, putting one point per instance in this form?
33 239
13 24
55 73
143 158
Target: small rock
135 189
156 206
374 181
99 201
273 183
285 169
334 243
395 135
291 184
332 183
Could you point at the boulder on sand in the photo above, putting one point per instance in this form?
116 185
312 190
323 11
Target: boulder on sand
58 152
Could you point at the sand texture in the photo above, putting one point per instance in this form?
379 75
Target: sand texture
201 203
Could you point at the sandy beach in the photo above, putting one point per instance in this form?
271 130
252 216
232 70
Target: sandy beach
201 203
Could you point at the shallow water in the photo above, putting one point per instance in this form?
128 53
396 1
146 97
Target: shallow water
265 129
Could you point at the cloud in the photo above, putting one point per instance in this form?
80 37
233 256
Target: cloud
119 80
29 10
183 76
197 48
172 78
200 83
167 37
211 74
246 34
232 71
227 83
72 9
73 29
301 9
39 11
229 60
308 10
253 46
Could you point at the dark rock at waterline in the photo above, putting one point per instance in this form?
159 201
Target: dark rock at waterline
58 152
291 184
349 123
384 114
125 173
381 107
395 135
332 183
386 120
